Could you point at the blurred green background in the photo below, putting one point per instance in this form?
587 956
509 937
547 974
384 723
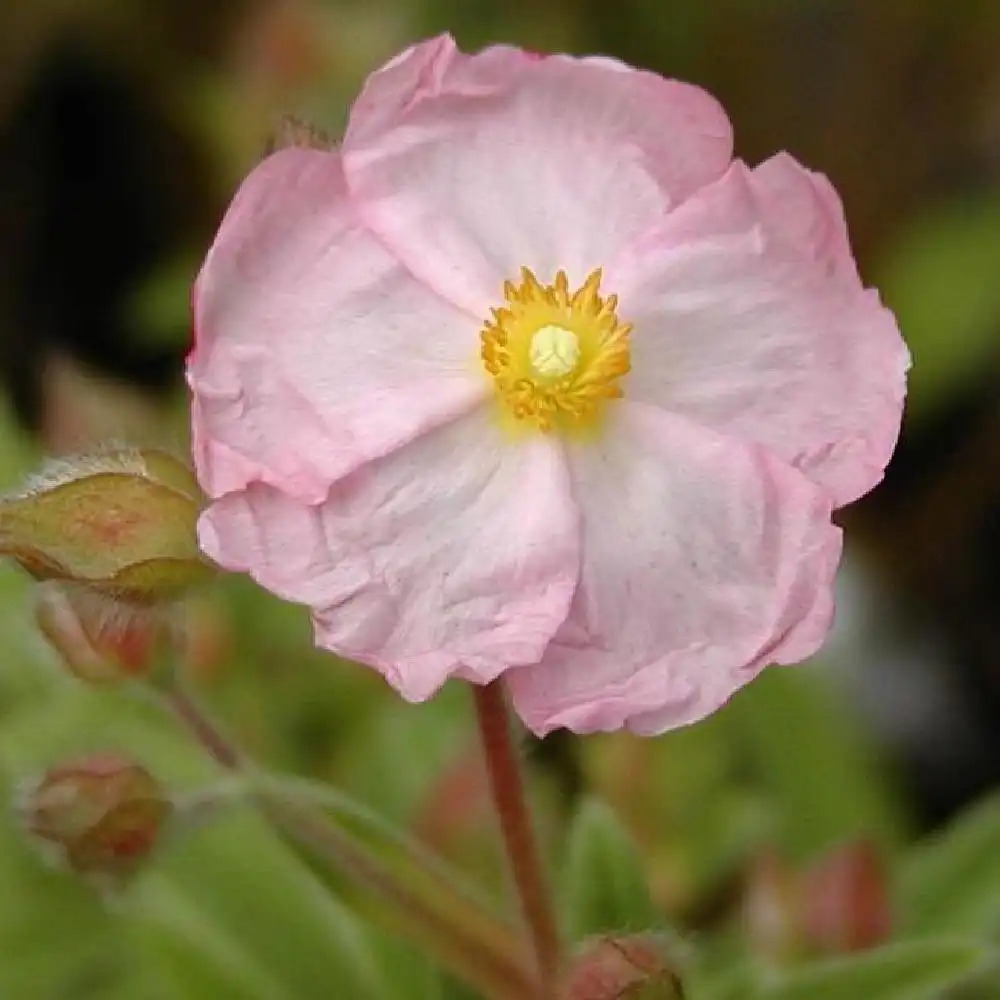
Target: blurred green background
124 127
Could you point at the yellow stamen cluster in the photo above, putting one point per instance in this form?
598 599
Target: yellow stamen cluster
555 355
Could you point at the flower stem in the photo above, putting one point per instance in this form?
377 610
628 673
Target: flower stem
203 729
507 788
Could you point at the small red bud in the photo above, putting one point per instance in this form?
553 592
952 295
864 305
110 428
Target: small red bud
103 813
845 905
637 967
101 640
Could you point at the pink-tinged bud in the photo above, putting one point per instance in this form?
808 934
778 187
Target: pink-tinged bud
637 967
845 901
121 523
102 813
100 640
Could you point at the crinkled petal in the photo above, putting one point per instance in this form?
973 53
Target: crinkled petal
457 554
804 206
471 167
316 350
750 318
704 560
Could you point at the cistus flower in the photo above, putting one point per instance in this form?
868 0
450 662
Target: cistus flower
102 813
530 376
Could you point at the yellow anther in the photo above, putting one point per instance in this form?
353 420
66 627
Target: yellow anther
556 356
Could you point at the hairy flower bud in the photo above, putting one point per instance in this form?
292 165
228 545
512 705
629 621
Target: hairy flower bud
103 813
637 967
121 523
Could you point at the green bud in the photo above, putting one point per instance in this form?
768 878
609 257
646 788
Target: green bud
121 523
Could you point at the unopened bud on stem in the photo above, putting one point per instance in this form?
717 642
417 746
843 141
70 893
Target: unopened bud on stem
121 523
634 967
845 904
102 813
99 639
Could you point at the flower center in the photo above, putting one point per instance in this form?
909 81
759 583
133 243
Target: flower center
554 351
556 356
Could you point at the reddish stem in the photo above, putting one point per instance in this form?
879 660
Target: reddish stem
507 788
204 730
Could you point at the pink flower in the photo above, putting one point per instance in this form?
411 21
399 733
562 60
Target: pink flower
530 376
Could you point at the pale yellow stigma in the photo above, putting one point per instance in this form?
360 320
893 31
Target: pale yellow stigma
554 351
556 356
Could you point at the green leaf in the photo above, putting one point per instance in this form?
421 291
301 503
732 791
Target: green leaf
407 973
193 955
939 276
393 778
731 984
397 884
719 968
243 879
605 886
814 761
951 884
909 971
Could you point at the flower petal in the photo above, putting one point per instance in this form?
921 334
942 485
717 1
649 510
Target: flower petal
750 318
805 207
457 554
703 560
471 167
309 330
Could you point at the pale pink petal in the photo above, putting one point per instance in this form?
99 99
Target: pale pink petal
704 560
457 554
470 167
749 318
316 350
805 206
